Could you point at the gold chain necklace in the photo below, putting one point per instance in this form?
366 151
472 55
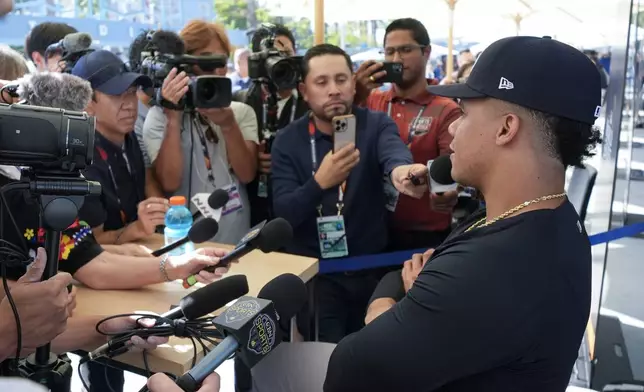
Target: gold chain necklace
483 223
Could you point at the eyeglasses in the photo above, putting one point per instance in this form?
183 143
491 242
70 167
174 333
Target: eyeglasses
402 50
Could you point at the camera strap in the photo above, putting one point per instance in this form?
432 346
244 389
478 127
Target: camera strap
206 153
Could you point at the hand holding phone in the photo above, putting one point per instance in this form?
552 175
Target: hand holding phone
344 131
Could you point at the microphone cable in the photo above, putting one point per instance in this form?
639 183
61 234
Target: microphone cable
200 331
12 256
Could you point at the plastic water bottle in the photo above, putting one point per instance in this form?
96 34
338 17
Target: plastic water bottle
178 221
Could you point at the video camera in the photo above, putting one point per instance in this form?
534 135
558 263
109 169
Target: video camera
45 139
204 91
271 65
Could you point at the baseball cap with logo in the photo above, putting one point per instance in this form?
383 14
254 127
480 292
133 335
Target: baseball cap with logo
107 73
537 73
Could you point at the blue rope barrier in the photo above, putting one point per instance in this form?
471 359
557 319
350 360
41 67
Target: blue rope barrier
390 259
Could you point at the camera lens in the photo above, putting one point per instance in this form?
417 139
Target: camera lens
282 72
206 90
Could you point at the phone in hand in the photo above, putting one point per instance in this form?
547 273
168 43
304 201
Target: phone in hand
394 72
344 131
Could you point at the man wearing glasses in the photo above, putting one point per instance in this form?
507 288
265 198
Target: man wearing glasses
423 120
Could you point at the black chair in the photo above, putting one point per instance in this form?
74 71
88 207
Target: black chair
580 188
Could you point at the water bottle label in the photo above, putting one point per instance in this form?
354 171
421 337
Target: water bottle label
180 251
234 200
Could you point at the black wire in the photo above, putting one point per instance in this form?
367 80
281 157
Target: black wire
80 373
11 251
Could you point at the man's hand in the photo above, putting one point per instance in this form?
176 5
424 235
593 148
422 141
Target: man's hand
444 202
412 268
162 383
151 214
224 117
72 302
43 307
402 176
366 78
125 324
335 167
175 86
263 159
181 267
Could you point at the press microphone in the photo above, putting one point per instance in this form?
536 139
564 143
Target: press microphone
71 43
201 231
215 201
440 175
251 327
267 237
52 90
191 307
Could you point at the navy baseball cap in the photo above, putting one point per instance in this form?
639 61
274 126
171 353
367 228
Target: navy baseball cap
537 73
107 73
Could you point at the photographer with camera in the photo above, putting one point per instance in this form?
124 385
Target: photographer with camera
166 42
200 149
290 106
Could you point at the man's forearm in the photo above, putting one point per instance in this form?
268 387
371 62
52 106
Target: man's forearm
129 233
169 162
242 160
80 335
109 271
378 307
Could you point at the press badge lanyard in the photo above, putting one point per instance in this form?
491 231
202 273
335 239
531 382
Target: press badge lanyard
413 125
115 184
206 153
314 162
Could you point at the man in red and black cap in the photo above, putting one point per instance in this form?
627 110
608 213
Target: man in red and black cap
502 304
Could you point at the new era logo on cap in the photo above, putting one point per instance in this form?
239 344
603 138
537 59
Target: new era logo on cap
505 84
572 92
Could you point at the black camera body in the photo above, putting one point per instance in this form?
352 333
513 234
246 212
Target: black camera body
272 66
48 140
203 91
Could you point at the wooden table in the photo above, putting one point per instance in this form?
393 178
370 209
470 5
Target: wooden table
176 357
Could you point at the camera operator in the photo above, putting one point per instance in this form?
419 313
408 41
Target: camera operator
166 42
290 107
40 38
210 149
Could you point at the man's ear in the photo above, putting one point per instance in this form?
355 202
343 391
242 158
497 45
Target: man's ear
91 106
508 130
38 60
302 89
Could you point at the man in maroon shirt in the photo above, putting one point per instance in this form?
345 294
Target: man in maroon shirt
423 120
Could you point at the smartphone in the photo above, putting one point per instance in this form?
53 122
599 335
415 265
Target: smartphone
344 131
394 72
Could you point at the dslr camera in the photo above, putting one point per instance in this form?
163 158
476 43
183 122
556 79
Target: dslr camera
272 66
206 91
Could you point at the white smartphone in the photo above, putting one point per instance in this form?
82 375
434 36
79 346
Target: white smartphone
344 131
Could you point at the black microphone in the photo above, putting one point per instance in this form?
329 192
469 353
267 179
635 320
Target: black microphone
440 175
251 327
191 307
216 200
201 231
267 237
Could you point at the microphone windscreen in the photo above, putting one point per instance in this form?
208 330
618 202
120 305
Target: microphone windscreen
213 296
76 42
203 230
218 199
276 234
288 293
55 90
441 170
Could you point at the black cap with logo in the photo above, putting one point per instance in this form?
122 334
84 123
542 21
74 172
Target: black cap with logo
537 73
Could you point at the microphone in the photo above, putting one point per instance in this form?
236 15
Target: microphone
71 43
53 90
193 306
440 175
250 326
267 237
201 231
215 201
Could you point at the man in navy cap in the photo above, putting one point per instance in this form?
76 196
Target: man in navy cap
502 304
123 213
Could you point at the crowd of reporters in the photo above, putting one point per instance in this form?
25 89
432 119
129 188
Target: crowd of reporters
152 142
